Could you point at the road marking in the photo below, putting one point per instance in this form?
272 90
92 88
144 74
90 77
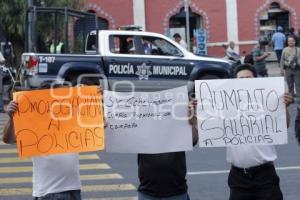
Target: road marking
108 188
17 160
4 151
86 188
4 181
227 171
3 144
116 198
5 170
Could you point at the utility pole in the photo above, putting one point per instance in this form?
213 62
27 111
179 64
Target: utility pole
29 28
187 18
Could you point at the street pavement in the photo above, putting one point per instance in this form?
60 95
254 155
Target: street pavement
113 176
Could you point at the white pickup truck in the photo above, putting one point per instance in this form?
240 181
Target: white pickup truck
146 61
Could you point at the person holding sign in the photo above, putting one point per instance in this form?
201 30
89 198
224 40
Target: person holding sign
252 175
54 176
162 176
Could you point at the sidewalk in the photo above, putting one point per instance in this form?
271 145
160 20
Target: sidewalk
273 69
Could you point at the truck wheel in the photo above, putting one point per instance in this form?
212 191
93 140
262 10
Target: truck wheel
86 80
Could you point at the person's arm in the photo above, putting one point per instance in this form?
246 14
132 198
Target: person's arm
288 99
262 57
9 136
193 120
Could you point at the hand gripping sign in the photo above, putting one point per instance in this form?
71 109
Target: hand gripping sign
60 120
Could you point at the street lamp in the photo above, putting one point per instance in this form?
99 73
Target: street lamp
187 18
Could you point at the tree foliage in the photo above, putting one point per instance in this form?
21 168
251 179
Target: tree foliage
13 15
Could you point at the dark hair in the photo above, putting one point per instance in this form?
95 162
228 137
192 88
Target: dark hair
245 66
293 36
176 35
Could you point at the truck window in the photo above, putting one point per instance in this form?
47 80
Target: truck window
159 46
91 43
122 44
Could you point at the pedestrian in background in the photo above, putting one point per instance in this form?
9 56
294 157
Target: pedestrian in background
259 59
231 53
290 33
278 40
179 40
252 175
57 46
290 61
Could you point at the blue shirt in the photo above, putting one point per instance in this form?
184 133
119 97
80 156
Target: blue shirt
279 40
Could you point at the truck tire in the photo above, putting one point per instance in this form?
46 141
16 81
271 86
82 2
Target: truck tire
73 80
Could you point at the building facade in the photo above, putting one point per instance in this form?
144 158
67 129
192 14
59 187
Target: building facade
241 21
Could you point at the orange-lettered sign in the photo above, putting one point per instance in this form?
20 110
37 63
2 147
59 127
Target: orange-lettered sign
60 120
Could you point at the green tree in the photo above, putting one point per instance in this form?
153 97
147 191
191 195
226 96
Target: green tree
13 15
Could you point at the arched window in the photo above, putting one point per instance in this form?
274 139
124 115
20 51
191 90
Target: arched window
177 23
179 20
274 5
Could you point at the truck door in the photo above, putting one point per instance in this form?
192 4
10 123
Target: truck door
120 63
168 68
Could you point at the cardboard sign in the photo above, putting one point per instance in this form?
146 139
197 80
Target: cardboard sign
59 120
147 122
235 112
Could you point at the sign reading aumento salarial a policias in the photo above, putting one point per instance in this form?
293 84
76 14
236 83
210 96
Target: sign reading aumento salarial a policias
237 112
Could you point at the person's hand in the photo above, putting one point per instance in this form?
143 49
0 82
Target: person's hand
287 99
267 54
192 112
104 122
100 90
11 108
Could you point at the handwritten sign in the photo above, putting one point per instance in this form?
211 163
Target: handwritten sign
241 112
147 122
59 120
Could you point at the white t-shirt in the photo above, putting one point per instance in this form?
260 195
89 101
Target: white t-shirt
183 44
251 155
55 173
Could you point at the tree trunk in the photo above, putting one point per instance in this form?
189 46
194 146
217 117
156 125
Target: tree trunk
18 50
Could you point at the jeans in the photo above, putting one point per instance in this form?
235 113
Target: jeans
142 196
278 55
67 195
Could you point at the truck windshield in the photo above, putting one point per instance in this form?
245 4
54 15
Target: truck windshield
159 46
